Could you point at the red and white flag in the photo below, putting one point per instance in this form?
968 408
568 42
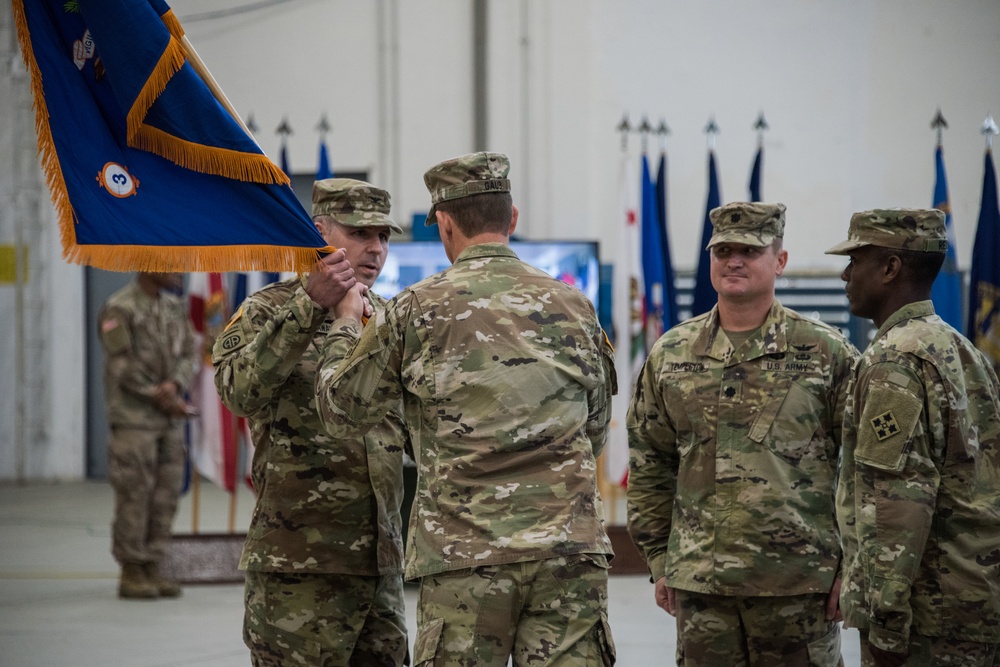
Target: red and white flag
214 430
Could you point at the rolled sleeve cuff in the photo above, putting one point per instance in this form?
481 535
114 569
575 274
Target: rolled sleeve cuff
307 312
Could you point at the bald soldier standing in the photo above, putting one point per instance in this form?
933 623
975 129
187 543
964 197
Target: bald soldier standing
323 555
506 378
734 436
919 494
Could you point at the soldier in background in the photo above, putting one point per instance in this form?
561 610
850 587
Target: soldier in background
323 555
506 379
919 496
734 436
150 358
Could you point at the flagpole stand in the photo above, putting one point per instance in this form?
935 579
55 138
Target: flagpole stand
195 499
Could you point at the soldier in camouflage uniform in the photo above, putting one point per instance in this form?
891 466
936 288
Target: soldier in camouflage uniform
323 555
506 379
150 360
919 496
734 435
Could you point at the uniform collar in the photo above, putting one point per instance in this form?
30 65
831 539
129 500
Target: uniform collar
485 250
908 312
771 338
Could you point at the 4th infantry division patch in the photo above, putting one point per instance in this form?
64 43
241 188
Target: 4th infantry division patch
885 426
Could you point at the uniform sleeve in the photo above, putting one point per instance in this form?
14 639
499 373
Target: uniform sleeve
599 398
122 364
898 483
653 461
843 367
188 361
358 380
260 348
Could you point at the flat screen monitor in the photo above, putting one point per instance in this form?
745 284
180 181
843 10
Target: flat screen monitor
574 262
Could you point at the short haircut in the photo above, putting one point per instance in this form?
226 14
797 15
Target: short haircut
488 213
923 267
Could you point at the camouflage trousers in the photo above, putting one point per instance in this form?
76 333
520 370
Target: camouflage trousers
934 651
145 468
546 613
724 631
324 620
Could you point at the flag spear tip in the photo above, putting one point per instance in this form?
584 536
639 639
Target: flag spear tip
988 129
324 125
251 125
662 128
761 124
624 126
711 128
989 126
284 129
939 121
645 127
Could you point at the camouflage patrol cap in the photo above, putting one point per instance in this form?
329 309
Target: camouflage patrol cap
916 229
465 176
749 223
353 203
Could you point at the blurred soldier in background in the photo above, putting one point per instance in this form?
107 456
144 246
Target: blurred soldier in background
150 360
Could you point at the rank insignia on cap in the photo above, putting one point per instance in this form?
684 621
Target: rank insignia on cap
885 426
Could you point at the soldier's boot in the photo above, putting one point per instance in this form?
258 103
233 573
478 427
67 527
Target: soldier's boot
165 588
133 583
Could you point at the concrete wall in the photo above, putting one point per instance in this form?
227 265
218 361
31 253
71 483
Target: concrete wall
849 88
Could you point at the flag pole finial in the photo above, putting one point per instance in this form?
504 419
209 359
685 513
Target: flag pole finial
761 126
284 130
711 130
251 125
662 130
939 124
644 130
324 125
624 128
988 129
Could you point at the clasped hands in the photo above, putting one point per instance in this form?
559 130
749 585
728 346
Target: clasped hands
333 287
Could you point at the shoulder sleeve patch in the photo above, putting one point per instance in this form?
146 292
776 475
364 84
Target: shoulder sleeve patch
236 335
886 426
115 334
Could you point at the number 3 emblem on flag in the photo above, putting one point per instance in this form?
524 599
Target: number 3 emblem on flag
115 179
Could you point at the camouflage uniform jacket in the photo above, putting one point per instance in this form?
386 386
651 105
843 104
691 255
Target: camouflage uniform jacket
324 504
146 342
733 456
506 379
919 495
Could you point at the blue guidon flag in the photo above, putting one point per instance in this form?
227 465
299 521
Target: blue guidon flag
147 169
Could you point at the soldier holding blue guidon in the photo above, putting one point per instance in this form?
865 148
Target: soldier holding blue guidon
323 555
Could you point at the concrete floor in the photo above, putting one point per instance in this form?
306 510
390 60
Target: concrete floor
58 604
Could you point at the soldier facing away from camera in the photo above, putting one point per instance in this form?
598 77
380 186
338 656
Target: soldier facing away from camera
506 379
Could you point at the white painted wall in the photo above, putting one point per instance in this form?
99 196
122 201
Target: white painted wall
849 88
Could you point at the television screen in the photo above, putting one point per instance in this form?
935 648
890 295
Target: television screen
573 262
